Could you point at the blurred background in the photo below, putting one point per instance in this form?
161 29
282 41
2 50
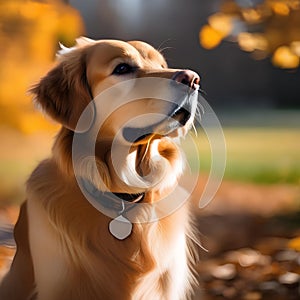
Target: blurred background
247 53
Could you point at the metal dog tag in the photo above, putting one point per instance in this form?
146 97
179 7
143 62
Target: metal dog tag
120 227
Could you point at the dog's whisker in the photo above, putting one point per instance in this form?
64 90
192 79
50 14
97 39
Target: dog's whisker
160 49
197 111
195 130
165 48
202 92
194 239
200 109
198 114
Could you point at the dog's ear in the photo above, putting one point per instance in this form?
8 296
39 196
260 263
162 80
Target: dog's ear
64 92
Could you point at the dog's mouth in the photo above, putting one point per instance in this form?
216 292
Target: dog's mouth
178 117
133 198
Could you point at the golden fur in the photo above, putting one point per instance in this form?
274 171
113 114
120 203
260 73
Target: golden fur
64 248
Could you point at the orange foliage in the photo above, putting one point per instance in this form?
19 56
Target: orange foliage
218 28
270 27
29 36
210 37
295 244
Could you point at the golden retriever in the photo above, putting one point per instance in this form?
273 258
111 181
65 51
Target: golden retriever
66 247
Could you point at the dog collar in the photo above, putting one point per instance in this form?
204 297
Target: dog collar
120 227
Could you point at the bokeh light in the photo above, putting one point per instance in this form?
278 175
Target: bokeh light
269 27
29 36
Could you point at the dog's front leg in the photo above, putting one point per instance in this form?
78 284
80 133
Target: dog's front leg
18 284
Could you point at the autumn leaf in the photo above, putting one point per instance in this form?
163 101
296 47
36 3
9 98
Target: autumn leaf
294 244
29 35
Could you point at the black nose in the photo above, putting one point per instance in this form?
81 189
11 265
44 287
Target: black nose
188 78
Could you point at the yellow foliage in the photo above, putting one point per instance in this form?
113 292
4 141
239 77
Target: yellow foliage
285 58
29 35
31 122
295 47
281 8
294 244
210 37
276 34
222 23
252 15
252 41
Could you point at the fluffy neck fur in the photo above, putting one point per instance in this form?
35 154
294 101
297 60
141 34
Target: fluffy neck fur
155 261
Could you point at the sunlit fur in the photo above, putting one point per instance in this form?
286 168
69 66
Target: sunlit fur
64 248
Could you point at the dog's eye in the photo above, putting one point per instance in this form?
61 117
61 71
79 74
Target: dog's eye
123 69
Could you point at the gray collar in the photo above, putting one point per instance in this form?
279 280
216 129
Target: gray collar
117 202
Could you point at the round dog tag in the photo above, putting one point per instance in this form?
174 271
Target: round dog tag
120 227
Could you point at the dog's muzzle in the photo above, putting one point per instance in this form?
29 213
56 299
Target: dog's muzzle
179 113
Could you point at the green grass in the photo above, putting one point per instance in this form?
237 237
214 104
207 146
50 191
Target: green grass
261 155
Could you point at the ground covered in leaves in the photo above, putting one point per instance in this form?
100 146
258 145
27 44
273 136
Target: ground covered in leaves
266 268
251 234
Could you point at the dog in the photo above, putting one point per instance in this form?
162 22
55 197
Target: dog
67 248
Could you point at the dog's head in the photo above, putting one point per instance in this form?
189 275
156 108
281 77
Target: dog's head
148 124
